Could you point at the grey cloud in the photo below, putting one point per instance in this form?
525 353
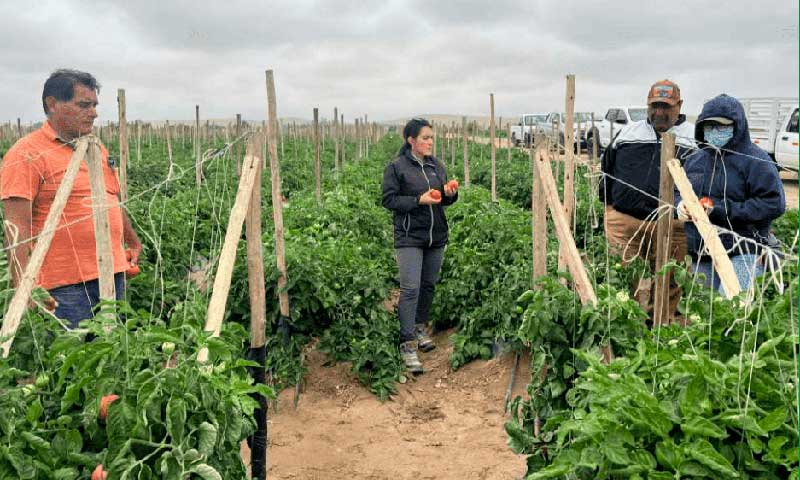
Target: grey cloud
395 58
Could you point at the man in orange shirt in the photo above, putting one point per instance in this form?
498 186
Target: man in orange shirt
30 174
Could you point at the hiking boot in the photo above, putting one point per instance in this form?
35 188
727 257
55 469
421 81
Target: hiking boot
408 350
424 341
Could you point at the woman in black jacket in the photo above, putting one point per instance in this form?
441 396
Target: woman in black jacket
416 190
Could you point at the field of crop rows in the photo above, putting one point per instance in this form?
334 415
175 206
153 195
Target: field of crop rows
715 399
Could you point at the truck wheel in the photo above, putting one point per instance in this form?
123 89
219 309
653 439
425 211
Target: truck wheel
514 140
589 136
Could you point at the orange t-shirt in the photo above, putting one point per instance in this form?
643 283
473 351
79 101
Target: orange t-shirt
32 169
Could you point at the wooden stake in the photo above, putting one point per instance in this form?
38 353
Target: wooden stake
227 256
255 252
277 204
123 146
719 256
236 148
661 313
317 165
569 164
336 158
573 259
198 167
102 228
494 148
466 149
538 211
594 142
19 128
19 302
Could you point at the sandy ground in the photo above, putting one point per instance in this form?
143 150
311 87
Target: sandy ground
790 187
440 425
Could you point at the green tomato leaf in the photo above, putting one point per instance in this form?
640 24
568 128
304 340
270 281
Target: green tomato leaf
176 419
707 455
208 438
207 472
774 420
703 428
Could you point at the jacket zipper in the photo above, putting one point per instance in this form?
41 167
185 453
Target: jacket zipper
430 207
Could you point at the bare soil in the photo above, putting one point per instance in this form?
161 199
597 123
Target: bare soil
441 425
790 187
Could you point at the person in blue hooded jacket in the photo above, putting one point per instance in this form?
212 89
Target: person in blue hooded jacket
744 190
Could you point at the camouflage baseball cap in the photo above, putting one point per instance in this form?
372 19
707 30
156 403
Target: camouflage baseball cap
664 91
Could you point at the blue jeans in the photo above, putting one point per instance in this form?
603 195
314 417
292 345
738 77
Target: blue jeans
747 268
419 271
76 302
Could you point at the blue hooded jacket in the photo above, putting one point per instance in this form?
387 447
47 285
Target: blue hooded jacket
741 180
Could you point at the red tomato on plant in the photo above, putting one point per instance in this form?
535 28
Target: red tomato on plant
104 404
436 194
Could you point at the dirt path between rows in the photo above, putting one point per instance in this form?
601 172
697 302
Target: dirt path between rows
441 425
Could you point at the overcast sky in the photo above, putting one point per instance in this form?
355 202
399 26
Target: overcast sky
396 58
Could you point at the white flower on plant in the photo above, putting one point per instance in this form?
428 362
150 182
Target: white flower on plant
623 296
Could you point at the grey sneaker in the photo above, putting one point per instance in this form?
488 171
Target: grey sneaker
423 339
408 350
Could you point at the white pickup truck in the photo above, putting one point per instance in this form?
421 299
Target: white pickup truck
786 148
767 118
614 120
529 123
581 123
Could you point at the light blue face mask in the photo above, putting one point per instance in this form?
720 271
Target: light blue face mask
718 135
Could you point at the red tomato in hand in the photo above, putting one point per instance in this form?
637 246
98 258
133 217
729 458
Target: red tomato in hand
436 194
707 203
104 404
453 184
133 271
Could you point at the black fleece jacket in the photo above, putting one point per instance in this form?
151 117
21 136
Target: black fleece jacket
405 179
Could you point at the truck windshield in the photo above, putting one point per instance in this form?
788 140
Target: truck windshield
792 126
535 119
637 114
578 117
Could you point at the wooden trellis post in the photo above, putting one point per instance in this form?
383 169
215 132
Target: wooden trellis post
343 132
336 157
719 256
493 147
317 166
19 128
538 210
19 302
123 146
102 228
569 163
464 141
571 255
277 205
227 256
198 167
258 308
509 145
236 151
661 313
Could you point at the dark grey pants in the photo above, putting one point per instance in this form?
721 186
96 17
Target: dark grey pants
419 272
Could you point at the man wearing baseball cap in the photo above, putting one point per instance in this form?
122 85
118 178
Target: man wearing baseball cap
629 188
